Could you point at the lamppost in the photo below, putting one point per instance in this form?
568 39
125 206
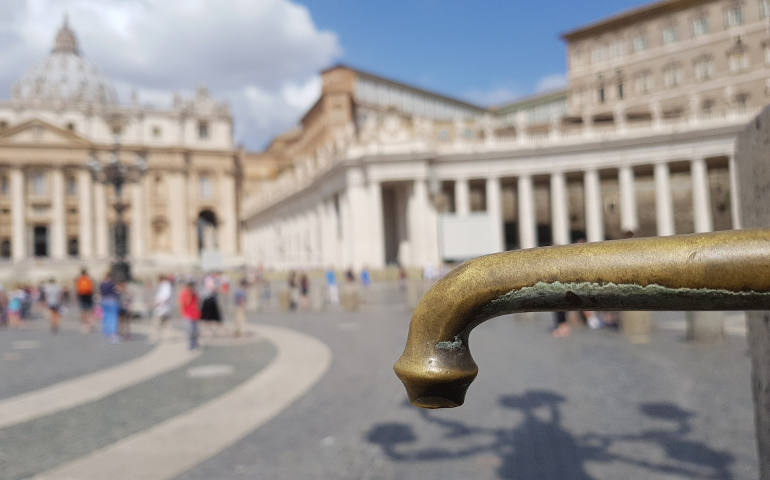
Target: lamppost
113 172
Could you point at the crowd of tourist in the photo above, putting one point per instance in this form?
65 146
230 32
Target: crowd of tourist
108 306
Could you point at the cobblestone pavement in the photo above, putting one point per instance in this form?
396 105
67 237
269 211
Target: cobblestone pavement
590 406
32 357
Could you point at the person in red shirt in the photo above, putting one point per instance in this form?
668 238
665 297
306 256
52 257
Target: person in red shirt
188 305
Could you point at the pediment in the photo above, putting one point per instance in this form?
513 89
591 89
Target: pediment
40 132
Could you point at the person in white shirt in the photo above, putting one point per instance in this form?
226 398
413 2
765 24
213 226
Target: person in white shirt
53 301
162 305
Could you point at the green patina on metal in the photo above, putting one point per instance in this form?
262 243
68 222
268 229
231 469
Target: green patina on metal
564 296
455 344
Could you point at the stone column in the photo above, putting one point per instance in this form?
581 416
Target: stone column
415 214
377 227
100 223
360 223
735 194
422 226
701 197
527 221
85 215
462 197
346 243
322 229
664 209
335 226
559 209
138 220
228 229
629 218
593 206
18 214
754 177
177 213
329 231
705 327
58 233
495 213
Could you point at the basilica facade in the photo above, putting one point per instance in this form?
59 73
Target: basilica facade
55 218
640 142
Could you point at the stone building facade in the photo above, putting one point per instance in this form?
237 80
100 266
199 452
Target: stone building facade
641 142
55 218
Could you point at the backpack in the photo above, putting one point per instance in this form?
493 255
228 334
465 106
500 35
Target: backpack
84 285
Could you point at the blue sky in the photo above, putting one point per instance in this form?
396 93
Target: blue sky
480 51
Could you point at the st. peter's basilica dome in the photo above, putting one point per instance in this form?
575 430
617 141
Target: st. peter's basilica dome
65 76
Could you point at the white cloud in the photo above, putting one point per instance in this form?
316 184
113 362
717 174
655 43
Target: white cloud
263 57
551 82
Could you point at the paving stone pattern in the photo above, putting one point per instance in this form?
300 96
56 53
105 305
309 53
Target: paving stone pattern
591 406
55 358
43 443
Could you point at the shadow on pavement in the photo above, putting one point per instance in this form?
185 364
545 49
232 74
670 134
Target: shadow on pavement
540 447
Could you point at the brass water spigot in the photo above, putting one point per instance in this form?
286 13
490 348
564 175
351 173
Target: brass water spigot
714 271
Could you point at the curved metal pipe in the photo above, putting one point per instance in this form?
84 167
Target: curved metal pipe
715 271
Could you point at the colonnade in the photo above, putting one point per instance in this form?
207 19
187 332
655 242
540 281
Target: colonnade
92 213
346 228
593 208
57 206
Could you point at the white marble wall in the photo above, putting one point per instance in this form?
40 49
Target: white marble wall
359 238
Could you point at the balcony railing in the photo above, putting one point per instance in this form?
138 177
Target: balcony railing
307 170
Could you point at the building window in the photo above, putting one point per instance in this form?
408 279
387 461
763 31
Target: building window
741 100
733 16
203 129
738 61
766 50
764 8
601 94
639 43
700 26
5 248
4 187
669 35
72 185
72 247
672 75
617 49
156 131
707 106
704 69
599 53
644 83
206 190
40 241
37 184
620 90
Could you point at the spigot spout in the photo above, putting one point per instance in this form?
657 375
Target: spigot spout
715 271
